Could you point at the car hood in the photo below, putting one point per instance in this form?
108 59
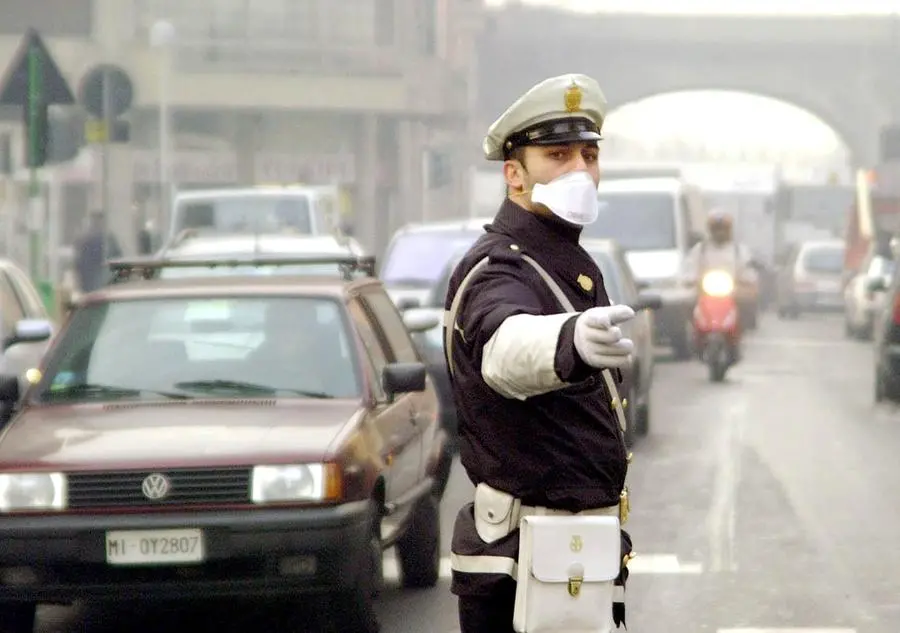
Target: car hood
181 433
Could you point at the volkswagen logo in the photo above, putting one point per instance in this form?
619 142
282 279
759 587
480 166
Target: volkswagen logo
156 486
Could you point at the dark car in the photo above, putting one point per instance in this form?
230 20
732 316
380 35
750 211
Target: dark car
210 436
622 288
886 333
418 254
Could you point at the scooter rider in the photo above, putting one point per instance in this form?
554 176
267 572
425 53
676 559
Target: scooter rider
538 426
720 252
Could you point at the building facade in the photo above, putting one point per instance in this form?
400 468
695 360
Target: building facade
372 95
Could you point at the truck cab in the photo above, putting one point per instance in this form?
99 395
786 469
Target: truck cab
656 221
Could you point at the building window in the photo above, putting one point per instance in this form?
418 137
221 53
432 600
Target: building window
427 26
385 22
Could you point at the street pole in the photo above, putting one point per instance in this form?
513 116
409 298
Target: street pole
165 195
162 36
104 153
35 221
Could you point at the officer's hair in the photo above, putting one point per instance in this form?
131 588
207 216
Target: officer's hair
518 154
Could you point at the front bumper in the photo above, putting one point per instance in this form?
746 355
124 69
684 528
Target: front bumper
812 300
247 553
670 321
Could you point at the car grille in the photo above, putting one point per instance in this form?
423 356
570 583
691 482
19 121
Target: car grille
207 486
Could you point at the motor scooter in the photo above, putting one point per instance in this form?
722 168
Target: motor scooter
717 330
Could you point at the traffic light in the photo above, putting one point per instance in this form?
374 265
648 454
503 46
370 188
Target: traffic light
37 136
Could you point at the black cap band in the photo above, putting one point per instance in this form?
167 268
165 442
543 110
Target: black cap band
557 131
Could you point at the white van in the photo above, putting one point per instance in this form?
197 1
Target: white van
303 210
656 221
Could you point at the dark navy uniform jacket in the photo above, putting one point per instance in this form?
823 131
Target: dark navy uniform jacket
562 449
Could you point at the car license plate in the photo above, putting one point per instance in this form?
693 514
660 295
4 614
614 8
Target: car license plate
154 547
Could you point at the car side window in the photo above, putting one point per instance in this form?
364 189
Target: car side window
11 311
385 314
372 343
31 302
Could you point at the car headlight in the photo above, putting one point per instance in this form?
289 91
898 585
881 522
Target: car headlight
295 482
717 283
24 492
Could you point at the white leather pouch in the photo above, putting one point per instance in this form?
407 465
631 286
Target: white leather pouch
496 513
567 567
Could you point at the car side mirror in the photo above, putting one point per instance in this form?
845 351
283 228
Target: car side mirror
407 303
647 301
398 378
29 331
421 319
876 284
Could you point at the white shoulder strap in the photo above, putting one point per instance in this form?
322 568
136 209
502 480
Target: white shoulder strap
451 326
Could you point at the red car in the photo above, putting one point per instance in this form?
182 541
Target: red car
221 436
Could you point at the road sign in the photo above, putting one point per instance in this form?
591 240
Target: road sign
15 87
33 80
118 85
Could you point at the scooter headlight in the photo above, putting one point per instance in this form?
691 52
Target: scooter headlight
717 283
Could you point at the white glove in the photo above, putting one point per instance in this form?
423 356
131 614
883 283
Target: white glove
599 341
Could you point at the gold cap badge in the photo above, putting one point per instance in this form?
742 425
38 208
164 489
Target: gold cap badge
586 283
573 98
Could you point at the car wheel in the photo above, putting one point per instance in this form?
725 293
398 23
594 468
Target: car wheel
442 474
848 328
17 617
642 419
353 610
681 345
419 549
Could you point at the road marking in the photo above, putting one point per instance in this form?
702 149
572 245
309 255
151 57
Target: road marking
794 630
723 510
640 564
661 564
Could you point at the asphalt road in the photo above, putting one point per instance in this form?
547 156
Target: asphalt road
761 505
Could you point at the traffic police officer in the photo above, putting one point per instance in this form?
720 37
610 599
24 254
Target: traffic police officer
536 420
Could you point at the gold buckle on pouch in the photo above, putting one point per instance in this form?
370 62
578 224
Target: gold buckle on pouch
624 506
575 585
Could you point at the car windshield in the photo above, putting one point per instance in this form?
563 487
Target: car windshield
824 259
245 214
420 257
228 347
637 221
610 273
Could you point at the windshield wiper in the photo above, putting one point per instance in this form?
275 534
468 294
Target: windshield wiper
94 389
245 387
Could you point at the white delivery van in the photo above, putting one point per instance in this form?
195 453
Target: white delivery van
301 209
656 221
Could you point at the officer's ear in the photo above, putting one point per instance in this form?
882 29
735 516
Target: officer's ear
514 173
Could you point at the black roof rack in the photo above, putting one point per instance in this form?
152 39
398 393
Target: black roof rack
349 266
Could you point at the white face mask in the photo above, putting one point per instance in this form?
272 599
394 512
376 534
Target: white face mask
572 196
